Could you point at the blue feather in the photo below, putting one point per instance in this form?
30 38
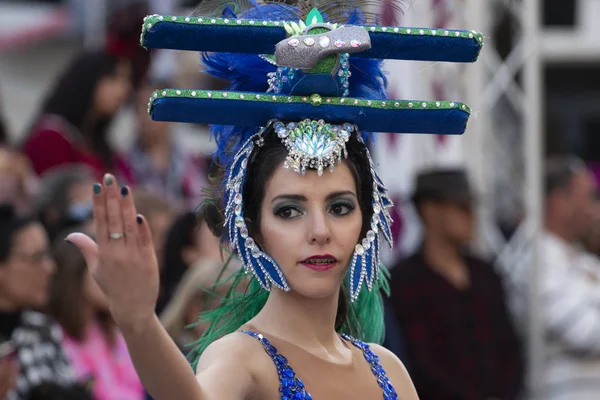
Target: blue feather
248 72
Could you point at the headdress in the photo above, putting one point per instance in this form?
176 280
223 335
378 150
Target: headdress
314 77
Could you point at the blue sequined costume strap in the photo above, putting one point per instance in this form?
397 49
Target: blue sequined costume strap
292 388
389 393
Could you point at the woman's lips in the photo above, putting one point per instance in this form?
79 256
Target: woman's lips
320 267
320 262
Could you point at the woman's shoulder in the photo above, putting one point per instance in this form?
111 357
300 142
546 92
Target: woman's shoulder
52 126
46 135
396 372
235 347
235 355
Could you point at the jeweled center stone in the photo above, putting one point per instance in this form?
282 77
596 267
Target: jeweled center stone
316 99
324 41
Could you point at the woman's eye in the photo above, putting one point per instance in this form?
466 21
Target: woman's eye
288 213
341 209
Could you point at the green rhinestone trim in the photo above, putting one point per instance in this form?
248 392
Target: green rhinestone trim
315 100
152 20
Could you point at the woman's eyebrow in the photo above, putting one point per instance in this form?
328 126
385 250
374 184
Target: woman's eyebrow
299 197
296 197
341 193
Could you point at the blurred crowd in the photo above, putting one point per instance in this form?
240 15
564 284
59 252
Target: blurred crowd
457 320
57 338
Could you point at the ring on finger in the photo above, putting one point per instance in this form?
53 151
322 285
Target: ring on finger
117 236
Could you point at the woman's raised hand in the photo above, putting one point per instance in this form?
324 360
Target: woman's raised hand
122 260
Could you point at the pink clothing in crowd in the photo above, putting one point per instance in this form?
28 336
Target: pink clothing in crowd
114 377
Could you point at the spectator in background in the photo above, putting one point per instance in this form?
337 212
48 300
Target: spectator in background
92 341
591 241
64 198
188 242
72 127
26 267
4 138
123 36
569 285
159 214
195 293
50 391
159 161
17 181
451 305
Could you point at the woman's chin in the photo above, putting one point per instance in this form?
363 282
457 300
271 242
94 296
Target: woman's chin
316 288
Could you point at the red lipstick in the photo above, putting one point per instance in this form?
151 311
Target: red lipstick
320 262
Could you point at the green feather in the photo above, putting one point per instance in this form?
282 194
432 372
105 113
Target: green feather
314 17
246 298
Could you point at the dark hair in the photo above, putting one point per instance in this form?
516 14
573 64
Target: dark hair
10 225
123 37
67 292
73 95
52 198
264 161
559 172
180 236
54 391
3 132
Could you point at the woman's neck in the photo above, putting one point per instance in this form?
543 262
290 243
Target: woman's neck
308 323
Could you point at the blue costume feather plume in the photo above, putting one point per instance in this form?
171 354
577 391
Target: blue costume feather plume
248 73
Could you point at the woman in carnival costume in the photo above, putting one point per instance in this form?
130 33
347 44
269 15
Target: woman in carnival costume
302 205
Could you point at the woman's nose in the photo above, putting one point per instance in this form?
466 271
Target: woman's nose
319 230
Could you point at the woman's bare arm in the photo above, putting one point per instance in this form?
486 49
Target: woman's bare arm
162 368
123 262
166 374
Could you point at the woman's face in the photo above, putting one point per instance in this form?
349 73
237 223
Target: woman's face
25 276
310 226
79 200
113 90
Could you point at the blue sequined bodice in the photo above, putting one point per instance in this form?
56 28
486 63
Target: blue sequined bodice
292 388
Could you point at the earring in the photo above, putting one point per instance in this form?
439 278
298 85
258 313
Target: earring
264 268
364 266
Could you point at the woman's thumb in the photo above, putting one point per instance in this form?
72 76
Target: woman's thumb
86 245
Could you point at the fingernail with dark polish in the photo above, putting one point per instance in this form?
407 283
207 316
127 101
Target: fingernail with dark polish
108 179
124 191
139 219
97 188
68 241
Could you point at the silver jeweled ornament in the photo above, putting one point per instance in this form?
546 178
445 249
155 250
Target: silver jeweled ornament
313 144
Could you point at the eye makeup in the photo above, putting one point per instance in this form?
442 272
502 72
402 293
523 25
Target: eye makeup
347 206
287 210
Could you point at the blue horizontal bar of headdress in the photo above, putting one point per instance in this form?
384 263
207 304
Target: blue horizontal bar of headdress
262 40
213 38
258 113
386 45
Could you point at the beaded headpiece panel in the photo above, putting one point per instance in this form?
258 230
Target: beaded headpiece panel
314 82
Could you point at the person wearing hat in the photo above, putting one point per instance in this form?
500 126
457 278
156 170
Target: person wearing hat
460 343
